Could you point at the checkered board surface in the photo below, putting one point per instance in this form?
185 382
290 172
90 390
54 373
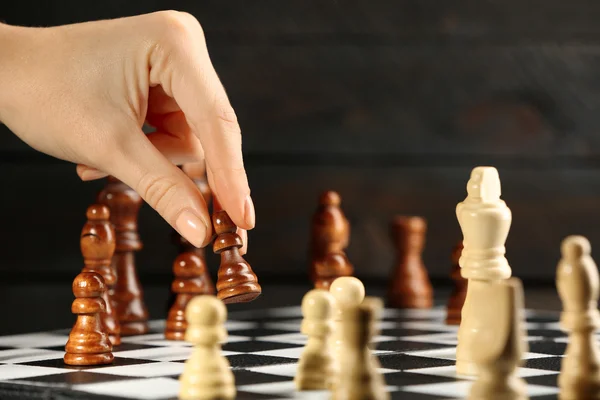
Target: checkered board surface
415 347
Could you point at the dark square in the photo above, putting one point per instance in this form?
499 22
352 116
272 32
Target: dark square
402 345
253 360
244 377
260 332
400 395
547 347
407 379
401 332
74 378
403 362
257 345
543 380
59 363
546 333
546 363
241 395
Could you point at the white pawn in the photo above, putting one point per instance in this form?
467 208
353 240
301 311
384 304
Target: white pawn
315 367
498 341
207 373
577 284
347 291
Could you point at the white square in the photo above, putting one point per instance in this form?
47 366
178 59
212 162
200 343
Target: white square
147 389
17 371
450 354
450 371
28 355
32 340
146 370
461 389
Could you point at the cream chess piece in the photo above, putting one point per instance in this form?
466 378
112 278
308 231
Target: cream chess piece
498 341
577 284
315 367
485 222
207 373
359 378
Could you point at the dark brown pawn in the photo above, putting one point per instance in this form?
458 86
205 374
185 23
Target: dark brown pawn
189 270
236 281
97 244
88 342
331 267
330 231
410 286
124 204
457 298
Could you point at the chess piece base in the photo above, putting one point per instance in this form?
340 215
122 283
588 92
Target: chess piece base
88 359
240 294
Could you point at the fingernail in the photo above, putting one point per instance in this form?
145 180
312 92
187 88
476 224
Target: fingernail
91 174
191 227
249 214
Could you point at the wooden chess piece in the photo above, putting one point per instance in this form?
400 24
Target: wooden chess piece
315 366
331 267
88 342
330 231
124 204
347 291
190 272
458 295
577 283
485 221
207 373
498 341
236 282
359 377
97 242
409 286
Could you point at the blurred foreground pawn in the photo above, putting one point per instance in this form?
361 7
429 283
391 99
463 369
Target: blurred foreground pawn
409 286
359 378
190 273
97 242
347 291
330 234
577 284
315 367
236 283
458 295
207 373
124 204
499 341
88 342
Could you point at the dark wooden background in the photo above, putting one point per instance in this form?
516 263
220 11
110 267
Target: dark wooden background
391 103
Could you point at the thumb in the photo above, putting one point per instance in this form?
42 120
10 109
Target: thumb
165 187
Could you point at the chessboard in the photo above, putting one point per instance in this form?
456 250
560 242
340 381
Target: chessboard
415 347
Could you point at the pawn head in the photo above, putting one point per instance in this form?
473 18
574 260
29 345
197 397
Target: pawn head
317 304
575 246
347 290
188 265
98 212
206 310
88 284
330 198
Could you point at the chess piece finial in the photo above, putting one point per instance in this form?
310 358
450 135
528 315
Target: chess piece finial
189 270
458 295
89 343
97 243
316 367
578 287
409 285
236 283
330 231
124 204
498 340
358 376
207 373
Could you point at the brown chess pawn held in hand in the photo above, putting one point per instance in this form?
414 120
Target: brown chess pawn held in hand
189 270
236 282
88 342
410 286
330 235
97 244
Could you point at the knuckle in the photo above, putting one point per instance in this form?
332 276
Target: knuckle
227 117
181 24
158 191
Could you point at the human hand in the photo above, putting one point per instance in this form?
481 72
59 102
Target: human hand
82 93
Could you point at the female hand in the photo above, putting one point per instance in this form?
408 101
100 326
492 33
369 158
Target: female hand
82 93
